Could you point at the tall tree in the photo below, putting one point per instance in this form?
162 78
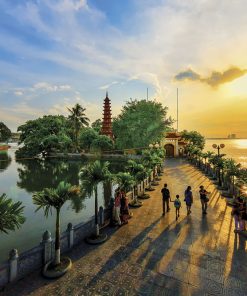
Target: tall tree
140 123
193 138
102 143
11 214
55 198
86 137
97 125
5 132
78 120
44 134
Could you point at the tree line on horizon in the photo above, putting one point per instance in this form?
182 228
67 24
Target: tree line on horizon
139 124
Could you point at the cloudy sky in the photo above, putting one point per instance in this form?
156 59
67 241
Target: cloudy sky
55 53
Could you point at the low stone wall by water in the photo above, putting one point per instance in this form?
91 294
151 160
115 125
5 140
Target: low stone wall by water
18 267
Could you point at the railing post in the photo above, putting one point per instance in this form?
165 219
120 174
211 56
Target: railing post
47 244
13 265
70 230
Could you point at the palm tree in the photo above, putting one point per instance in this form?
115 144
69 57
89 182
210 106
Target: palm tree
50 198
138 172
218 162
78 120
195 152
125 181
11 214
232 170
150 160
206 156
91 175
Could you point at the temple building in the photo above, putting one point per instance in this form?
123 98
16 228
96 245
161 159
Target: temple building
107 120
173 144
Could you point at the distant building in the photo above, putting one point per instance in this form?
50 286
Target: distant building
173 144
232 136
15 137
107 120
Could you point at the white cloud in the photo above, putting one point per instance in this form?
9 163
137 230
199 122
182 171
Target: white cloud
67 5
50 87
107 86
18 93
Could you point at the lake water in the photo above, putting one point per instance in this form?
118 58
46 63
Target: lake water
234 148
19 180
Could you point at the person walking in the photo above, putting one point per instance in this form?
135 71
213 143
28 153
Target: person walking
204 199
177 205
124 208
242 211
235 213
165 198
188 198
117 204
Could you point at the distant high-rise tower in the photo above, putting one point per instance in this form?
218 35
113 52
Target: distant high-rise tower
107 123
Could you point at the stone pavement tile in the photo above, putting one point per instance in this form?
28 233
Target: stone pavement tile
176 286
234 292
157 279
196 291
199 261
211 286
105 288
145 289
232 283
184 255
195 279
165 270
197 274
181 275
121 291
135 270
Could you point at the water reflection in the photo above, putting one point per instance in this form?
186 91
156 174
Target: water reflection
37 174
5 161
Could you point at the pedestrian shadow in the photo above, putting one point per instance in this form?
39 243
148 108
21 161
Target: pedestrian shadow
123 252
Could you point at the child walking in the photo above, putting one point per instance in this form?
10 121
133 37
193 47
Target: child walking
177 205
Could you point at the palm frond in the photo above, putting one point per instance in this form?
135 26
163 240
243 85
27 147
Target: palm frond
50 198
11 214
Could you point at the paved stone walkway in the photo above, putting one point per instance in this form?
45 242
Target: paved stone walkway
155 255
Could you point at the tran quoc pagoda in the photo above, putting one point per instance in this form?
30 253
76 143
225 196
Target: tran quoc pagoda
107 120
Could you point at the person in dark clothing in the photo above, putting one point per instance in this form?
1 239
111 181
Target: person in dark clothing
165 197
204 199
188 198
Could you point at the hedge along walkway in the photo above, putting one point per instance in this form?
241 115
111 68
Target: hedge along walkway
155 255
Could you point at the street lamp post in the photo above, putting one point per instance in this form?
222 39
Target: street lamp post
218 147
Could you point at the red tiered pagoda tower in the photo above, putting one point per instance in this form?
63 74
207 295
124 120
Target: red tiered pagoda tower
107 123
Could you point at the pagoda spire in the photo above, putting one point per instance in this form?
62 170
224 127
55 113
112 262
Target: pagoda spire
107 120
